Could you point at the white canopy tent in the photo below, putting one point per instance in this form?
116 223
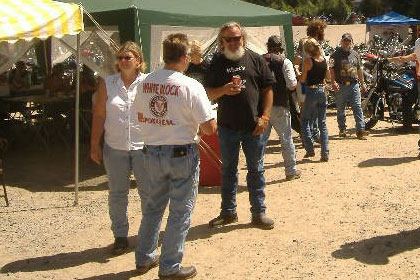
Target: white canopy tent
21 21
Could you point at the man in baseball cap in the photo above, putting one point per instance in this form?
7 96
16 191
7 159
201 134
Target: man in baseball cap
347 80
280 118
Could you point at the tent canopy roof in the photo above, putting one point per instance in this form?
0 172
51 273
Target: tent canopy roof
188 12
189 7
392 18
27 19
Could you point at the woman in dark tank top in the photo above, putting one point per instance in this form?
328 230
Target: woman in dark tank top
315 70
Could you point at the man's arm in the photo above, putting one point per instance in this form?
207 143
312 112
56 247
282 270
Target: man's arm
209 127
289 74
227 89
262 122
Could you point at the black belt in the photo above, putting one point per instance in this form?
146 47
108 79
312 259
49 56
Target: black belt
178 150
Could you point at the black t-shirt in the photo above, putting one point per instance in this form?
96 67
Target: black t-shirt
197 71
345 65
240 112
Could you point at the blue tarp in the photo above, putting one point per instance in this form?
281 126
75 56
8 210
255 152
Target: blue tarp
392 18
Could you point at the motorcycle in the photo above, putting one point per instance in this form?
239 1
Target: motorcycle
394 90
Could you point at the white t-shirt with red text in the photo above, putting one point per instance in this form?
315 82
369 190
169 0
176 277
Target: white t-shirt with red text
170 107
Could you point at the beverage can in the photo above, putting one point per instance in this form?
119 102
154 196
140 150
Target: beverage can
236 80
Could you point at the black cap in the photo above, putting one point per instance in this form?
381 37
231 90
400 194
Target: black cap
347 36
274 41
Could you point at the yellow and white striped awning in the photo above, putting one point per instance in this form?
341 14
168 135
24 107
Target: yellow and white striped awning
28 19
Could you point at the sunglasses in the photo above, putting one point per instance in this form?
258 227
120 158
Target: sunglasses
232 39
128 58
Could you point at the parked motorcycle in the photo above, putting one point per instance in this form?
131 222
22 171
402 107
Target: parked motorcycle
393 90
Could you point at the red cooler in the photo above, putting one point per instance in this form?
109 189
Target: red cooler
210 161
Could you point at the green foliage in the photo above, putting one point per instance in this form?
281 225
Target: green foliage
339 9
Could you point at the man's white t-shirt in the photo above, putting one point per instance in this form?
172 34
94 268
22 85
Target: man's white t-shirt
170 106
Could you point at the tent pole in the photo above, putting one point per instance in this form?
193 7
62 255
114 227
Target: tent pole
76 115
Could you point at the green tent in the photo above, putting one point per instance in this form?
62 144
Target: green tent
149 21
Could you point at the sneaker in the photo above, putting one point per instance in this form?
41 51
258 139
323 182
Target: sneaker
142 269
309 154
262 221
294 176
120 245
361 134
182 273
222 220
342 133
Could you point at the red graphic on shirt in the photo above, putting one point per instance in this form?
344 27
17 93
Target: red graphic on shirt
158 106
164 89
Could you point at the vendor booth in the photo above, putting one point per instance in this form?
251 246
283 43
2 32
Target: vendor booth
389 23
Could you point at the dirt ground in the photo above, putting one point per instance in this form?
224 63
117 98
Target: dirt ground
355 217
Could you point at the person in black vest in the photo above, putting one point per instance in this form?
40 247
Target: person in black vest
282 69
240 81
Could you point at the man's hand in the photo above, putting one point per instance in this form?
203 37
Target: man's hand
363 88
231 89
335 86
96 153
260 127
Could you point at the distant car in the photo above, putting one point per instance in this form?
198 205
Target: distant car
298 20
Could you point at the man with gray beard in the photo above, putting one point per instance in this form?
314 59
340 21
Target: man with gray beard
240 81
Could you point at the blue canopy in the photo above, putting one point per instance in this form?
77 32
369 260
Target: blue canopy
392 18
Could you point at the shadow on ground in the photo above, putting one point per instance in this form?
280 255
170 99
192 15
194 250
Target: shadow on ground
386 161
377 250
64 260
39 171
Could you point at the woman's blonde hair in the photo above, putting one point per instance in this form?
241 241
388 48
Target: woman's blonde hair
312 47
135 49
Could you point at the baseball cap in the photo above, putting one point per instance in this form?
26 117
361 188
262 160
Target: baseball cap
347 36
274 41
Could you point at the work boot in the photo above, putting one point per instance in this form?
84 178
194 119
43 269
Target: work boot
182 273
361 134
223 219
120 245
342 133
262 221
309 154
294 176
142 269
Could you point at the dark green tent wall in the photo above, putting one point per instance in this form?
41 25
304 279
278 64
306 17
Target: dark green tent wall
134 18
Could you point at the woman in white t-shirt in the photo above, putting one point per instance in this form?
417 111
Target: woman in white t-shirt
114 117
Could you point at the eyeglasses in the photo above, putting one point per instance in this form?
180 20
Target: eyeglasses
232 39
128 58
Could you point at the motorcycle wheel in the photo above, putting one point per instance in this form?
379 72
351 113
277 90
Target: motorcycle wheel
372 111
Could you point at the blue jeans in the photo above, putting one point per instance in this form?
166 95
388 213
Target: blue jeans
118 165
253 147
315 107
171 177
349 94
280 119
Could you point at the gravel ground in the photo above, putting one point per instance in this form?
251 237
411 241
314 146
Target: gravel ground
355 217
